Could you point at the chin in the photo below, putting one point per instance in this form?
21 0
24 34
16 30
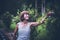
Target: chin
26 18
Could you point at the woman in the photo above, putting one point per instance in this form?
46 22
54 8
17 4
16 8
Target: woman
24 26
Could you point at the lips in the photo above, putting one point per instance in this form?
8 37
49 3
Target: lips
26 17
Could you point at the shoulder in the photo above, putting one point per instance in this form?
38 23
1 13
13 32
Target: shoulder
18 23
31 23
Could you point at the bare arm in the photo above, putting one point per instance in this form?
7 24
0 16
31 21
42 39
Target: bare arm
15 30
34 23
38 23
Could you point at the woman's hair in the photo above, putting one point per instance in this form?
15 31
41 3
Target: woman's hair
22 15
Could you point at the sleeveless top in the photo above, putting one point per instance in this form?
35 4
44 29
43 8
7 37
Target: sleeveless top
23 32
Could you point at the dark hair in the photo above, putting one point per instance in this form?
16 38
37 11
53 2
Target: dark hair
22 17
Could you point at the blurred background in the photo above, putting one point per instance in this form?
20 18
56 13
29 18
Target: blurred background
9 16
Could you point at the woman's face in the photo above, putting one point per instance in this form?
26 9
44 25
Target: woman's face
26 16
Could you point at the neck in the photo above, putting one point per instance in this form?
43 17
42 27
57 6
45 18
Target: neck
25 21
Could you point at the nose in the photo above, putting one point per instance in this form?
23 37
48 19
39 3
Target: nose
27 15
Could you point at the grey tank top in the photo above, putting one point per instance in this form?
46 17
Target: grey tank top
23 32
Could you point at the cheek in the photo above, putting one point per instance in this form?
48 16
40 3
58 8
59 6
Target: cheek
24 16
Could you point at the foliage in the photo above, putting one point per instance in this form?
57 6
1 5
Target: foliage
10 11
14 21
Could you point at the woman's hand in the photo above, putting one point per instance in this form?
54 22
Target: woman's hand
13 35
43 19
